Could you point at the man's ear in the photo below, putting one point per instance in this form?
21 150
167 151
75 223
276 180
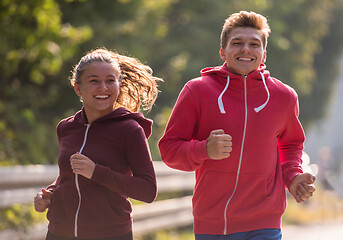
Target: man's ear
222 54
77 89
264 58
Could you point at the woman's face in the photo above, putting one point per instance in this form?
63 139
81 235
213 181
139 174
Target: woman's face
99 87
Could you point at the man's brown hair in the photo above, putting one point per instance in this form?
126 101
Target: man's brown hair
245 19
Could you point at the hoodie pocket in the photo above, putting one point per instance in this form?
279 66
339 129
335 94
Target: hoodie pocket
212 193
63 205
103 208
214 190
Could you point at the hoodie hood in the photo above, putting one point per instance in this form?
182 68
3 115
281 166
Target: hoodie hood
254 79
118 115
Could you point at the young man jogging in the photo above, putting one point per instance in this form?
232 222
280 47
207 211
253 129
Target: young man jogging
238 129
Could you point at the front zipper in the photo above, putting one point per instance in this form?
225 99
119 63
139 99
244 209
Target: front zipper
241 154
77 182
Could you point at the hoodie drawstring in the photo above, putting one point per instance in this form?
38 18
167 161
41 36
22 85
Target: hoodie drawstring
77 184
220 98
257 109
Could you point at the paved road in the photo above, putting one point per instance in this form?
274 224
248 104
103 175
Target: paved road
322 231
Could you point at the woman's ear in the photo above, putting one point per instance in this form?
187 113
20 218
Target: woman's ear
77 89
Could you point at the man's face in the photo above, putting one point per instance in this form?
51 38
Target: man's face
244 50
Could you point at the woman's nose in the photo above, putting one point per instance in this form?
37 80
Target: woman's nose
102 85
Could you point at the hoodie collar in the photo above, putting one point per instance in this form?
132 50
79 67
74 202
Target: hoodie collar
223 72
253 79
120 113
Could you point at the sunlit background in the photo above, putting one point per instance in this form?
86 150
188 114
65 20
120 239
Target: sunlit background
41 40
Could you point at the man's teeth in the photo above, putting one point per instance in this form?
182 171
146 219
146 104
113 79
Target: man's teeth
245 59
102 96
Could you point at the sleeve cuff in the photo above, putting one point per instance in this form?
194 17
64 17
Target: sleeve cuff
201 151
100 173
290 177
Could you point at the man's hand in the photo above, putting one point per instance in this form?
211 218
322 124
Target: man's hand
302 187
219 144
42 200
82 165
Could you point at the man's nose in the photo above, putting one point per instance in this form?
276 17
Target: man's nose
246 47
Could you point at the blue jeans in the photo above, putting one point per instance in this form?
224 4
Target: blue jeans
263 234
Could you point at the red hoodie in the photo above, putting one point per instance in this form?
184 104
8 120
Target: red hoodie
99 207
245 191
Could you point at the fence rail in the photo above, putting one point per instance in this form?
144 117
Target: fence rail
19 185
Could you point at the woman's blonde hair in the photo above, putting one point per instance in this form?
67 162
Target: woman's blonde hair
138 86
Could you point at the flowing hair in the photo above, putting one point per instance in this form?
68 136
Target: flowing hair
138 87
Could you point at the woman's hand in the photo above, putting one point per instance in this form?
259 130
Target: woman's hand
42 200
82 165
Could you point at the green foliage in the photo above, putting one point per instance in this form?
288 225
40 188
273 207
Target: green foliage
19 217
176 38
297 42
314 105
35 44
42 39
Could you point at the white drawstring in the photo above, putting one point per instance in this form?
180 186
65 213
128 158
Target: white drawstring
77 184
257 109
220 98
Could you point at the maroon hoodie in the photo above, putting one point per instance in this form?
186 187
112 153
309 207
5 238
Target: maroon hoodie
99 207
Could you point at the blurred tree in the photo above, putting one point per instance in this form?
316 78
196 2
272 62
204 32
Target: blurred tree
132 27
34 44
42 39
303 32
326 65
300 30
299 33
176 38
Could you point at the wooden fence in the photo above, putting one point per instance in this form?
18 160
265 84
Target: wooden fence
19 185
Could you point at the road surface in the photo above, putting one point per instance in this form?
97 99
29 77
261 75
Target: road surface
320 231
